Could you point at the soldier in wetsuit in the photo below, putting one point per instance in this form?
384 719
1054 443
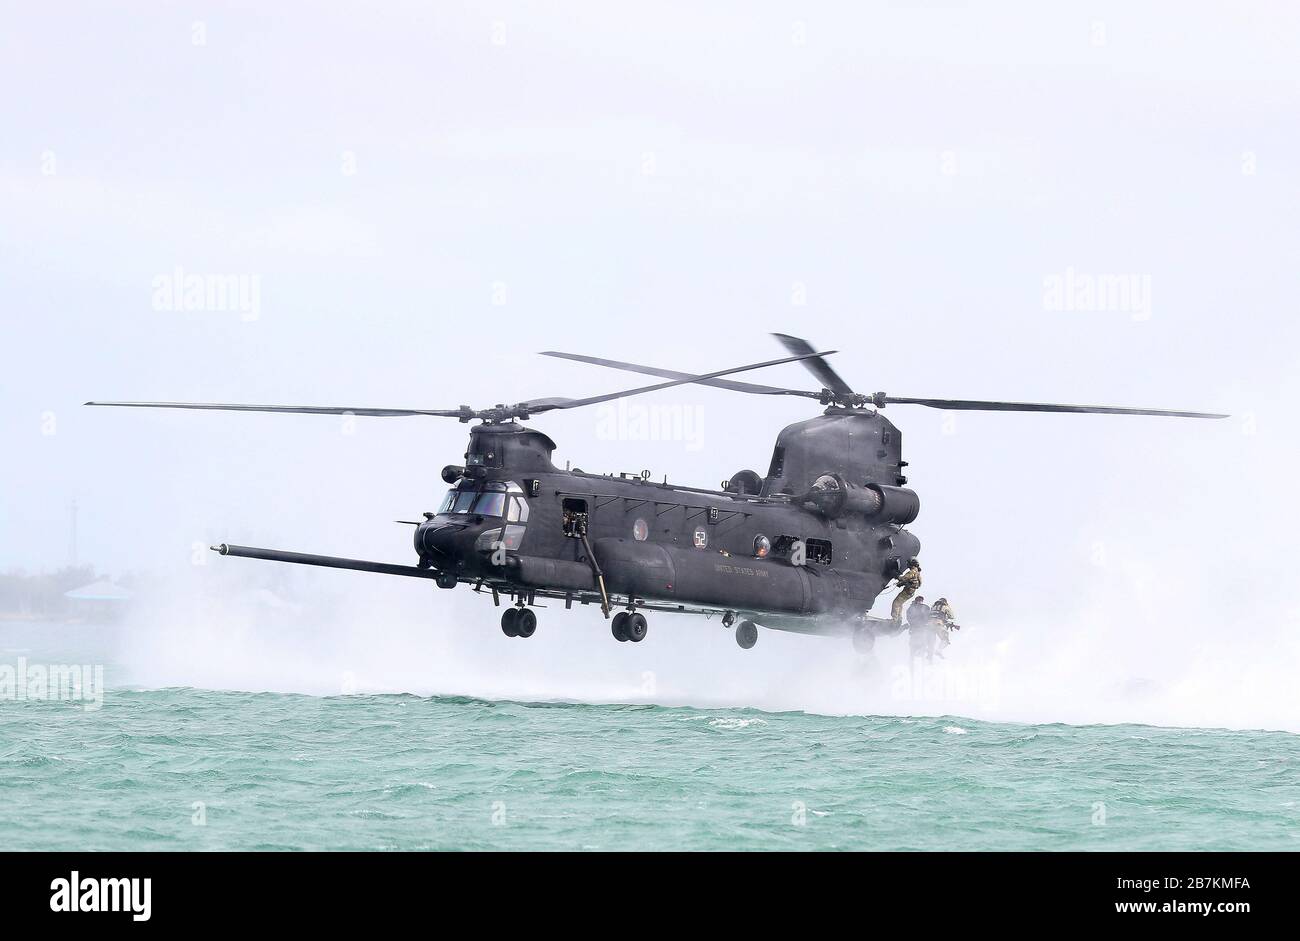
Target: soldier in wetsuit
910 581
941 612
920 630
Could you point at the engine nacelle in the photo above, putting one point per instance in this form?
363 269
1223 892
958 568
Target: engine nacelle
833 496
897 504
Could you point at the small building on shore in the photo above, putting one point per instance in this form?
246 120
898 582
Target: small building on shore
101 600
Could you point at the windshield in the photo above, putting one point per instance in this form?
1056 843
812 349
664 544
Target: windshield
493 499
490 504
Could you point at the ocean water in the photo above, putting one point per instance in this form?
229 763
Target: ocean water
659 753
191 769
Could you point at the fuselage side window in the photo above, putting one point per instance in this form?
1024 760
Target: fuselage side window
574 517
819 551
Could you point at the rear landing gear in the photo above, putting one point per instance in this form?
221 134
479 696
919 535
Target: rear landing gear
526 623
864 639
746 634
629 625
518 622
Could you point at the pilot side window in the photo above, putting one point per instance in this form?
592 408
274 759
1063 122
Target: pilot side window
517 511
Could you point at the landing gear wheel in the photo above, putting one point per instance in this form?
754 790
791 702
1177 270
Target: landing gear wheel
635 628
864 639
510 622
618 627
445 580
746 634
525 623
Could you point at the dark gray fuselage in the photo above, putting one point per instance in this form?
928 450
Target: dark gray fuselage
681 546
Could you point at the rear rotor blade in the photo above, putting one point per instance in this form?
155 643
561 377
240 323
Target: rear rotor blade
976 405
827 376
733 385
546 405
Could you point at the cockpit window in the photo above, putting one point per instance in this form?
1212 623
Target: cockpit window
492 503
493 498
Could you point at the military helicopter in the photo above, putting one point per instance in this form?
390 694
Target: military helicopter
806 548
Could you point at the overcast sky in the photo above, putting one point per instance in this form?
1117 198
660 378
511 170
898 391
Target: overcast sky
419 197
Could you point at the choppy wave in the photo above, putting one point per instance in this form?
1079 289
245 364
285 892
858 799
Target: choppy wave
201 769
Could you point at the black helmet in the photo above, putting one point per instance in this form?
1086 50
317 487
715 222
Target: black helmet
942 601
914 562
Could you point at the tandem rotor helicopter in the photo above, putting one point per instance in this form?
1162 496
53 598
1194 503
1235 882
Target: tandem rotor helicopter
806 548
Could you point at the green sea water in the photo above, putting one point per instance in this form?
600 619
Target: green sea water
188 769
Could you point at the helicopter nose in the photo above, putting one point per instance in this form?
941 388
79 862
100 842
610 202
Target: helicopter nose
438 542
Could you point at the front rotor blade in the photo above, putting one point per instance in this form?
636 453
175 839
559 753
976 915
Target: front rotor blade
546 405
296 409
733 385
828 377
976 405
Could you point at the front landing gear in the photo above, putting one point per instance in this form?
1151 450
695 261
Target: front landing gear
518 622
629 625
746 634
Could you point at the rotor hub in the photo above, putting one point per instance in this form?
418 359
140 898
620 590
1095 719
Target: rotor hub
851 399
